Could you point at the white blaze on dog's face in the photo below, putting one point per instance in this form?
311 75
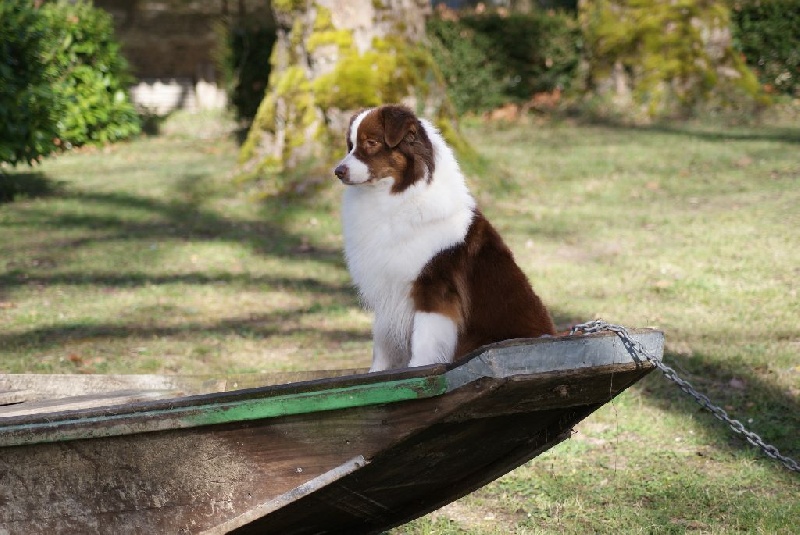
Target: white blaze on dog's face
386 143
353 170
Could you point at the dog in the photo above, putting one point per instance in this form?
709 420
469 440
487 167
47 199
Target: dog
438 277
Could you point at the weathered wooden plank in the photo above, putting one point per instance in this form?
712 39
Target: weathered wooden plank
545 355
65 426
48 386
193 479
54 386
11 397
75 403
555 390
441 463
286 498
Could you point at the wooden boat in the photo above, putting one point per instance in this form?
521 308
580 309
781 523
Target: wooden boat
353 453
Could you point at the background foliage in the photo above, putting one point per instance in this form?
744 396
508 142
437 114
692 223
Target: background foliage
475 80
678 58
768 34
92 74
63 80
674 55
489 60
29 107
539 51
242 57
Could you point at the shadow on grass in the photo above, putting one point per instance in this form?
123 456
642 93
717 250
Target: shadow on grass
746 393
137 279
782 135
260 326
98 217
711 132
173 219
760 405
26 185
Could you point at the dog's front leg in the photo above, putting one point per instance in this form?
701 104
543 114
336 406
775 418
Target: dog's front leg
385 353
380 358
433 340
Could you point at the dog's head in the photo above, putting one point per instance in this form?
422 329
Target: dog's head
388 142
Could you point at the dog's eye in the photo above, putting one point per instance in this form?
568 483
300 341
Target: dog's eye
349 145
371 143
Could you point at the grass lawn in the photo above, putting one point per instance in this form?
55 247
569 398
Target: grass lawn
142 258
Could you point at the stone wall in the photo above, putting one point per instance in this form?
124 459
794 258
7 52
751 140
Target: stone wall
170 44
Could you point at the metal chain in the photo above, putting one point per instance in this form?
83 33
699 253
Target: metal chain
638 352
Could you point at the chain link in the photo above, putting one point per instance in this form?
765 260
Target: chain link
639 353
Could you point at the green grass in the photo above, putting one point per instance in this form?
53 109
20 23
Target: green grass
144 258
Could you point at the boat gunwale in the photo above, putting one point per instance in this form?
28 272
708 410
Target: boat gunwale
258 403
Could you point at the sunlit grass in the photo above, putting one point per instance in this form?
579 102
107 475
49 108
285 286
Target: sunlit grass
144 258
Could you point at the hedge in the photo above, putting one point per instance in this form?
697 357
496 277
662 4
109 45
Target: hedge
92 75
768 34
29 108
62 80
242 55
490 59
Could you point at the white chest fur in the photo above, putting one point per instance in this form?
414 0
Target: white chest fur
389 238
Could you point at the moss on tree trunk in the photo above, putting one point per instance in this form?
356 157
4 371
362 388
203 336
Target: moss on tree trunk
665 58
331 58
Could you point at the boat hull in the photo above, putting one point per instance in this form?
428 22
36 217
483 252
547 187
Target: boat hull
353 454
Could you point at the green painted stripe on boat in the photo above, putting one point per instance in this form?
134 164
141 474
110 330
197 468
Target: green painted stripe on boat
221 413
304 403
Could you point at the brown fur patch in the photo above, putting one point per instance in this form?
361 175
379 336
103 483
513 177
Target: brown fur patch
392 143
478 284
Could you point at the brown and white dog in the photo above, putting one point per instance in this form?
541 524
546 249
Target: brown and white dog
437 275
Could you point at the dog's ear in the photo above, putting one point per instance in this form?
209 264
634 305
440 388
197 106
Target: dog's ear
399 123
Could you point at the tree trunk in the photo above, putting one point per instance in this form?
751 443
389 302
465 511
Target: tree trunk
667 58
331 58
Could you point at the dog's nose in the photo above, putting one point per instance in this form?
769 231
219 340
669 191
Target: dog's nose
341 171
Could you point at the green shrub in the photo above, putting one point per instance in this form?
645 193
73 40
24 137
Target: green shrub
242 56
62 80
92 75
491 59
539 51
474 79
29 108
768 34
